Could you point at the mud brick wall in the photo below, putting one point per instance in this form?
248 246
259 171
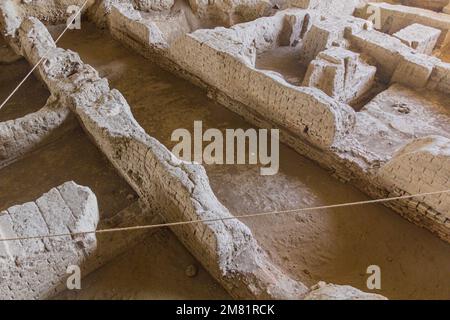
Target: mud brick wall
179 191
397 62
393 18
440 78
422 166
127 25
67 208
436 5
224 62
327 32
52 11
336 7
19 136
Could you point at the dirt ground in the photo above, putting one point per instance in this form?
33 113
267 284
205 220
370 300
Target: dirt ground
20 104
332 245
154 269
72 157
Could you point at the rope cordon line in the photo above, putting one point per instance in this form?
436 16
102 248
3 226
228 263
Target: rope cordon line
183 223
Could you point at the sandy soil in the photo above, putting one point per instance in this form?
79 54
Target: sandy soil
332 245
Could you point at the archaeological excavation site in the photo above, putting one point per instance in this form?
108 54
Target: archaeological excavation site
224 149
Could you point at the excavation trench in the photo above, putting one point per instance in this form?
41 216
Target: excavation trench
332 245
66 153
73 157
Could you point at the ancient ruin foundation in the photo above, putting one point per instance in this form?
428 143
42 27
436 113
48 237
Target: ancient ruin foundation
358 90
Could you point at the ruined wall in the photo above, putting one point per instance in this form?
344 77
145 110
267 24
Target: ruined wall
153 5
230 12
324 291
326 33
179 191
149 36
393 18
332 7
51 11
397 62
127 25
340 73
421 38
20 136
12 12
224 58
67 208
436 5
440 78
422 166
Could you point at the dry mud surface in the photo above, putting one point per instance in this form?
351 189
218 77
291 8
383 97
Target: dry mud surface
331 245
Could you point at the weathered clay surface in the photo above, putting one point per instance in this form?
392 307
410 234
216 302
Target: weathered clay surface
232 52
228 13
67 209
341 74
419 37
165 183
323 291
403 114
436 5
20 136
333 7
393 18
235 74
346 59
149 5
422 166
